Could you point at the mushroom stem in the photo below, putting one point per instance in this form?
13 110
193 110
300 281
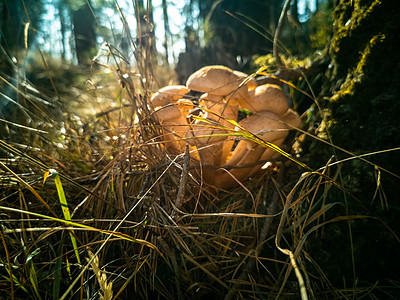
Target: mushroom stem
291 120
265 125
209 146
174 127
229 178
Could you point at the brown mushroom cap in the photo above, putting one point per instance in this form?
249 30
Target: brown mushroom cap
168 113
266 97
265 125
292 119
168 94
248 80
216 80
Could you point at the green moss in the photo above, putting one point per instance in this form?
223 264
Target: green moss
361 102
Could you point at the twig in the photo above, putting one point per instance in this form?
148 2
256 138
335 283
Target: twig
182 183
278 33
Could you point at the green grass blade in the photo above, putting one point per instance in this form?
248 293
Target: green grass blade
64 207
32 272
14 278
57 271
66 222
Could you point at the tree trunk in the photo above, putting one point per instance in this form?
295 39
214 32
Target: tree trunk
84 34
145 26
363 87
63 29
166 30
361 109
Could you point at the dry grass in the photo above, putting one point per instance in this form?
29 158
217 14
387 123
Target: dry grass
147 228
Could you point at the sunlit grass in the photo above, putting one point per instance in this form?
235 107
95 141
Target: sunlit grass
108 223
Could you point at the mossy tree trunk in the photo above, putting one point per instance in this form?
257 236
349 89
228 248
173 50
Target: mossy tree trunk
364 83
361 113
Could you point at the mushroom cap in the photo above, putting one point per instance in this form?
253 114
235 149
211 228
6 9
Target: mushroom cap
292 119
266 97
168 94
217 80
265 125
174 126
249 80
168 114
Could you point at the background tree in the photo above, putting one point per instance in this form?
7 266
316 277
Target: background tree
84 30
14 16
167 32
19 22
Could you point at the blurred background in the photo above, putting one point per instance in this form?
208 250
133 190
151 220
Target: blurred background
184 35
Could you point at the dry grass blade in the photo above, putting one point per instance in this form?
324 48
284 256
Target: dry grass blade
303 291
101 276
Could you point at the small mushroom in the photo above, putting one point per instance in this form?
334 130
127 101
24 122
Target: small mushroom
172 118
266 97
215 80
266 126
291 120
220 81
209 147
168 94
219 107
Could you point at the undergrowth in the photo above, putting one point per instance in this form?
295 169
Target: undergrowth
139 225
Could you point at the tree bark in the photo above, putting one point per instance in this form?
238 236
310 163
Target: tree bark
167 32
63 29
84 34
360 113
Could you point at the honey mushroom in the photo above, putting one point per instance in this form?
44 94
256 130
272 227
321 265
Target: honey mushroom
167 95
222 87
266 126
218 85
224 91
220 108
266 97
171 117
292 121
271 111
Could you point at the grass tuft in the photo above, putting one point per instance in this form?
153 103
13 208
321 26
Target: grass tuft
142 226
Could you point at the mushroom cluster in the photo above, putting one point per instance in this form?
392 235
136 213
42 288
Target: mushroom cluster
223 161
